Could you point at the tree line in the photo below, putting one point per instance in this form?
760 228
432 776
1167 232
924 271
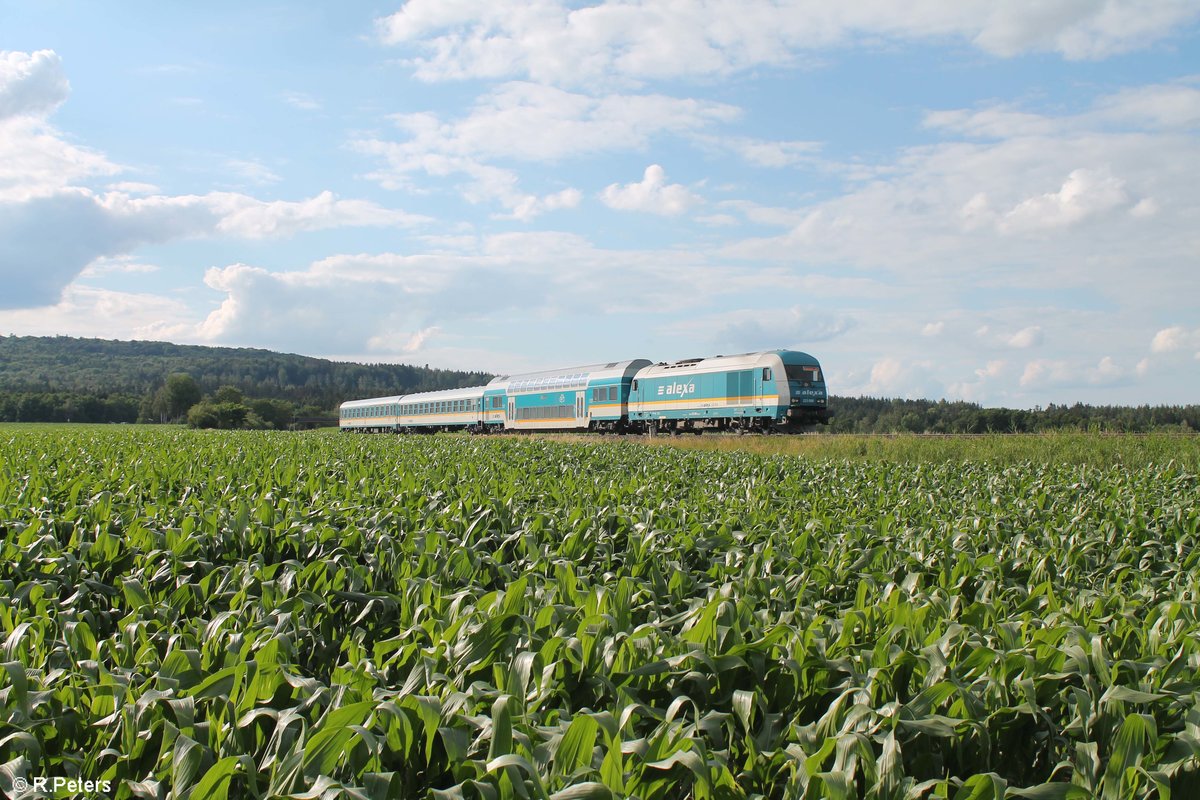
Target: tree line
893 415
60 370
178 400
63 379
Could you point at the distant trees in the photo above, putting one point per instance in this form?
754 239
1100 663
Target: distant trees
68 407
176 397
227 409
892 415
38 364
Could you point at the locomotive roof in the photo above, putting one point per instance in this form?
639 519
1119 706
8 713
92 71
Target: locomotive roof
722 363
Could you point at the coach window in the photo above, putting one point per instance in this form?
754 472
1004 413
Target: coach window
766 373
635 386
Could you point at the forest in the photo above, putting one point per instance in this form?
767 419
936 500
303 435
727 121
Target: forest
63 379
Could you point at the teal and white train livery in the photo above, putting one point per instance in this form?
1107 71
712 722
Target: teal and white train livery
780 390
752 391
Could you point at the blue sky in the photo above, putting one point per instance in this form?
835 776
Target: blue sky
997 202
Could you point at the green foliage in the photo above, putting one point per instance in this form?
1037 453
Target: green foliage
68 407
176 397
31 365
228 394
228 416
253 615
876 415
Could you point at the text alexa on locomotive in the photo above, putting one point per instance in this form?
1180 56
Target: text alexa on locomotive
774 390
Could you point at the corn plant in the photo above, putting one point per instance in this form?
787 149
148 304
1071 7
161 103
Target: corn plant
259 615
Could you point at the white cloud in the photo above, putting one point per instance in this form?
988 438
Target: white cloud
88 311
35 160
120 264
52 226
893 376
763 153
531 206
552 42
1176 339
31 84
1163 106
933 329
253 172
983 387
530 123
247 217
1026 337
652 195
750 329
301 101
1170 339
474 285
1154 107
1072 205
1085 193
133 187
408 344
37 261
1043 374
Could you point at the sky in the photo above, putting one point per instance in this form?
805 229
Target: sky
959 199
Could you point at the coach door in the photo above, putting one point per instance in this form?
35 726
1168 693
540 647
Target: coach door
579 405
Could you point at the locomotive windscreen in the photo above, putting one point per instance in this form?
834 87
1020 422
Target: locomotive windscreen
805 373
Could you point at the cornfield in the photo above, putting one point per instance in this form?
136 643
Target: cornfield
195 615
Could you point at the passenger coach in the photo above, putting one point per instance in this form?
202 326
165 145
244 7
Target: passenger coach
594 397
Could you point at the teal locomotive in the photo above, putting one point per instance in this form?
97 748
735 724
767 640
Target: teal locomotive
775 390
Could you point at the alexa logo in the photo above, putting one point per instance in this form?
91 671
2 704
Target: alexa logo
676 389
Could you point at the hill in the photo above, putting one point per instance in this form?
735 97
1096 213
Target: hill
44 372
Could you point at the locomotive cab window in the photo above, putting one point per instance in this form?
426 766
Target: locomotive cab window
805 373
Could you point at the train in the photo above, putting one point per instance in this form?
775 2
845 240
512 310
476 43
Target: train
768 391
